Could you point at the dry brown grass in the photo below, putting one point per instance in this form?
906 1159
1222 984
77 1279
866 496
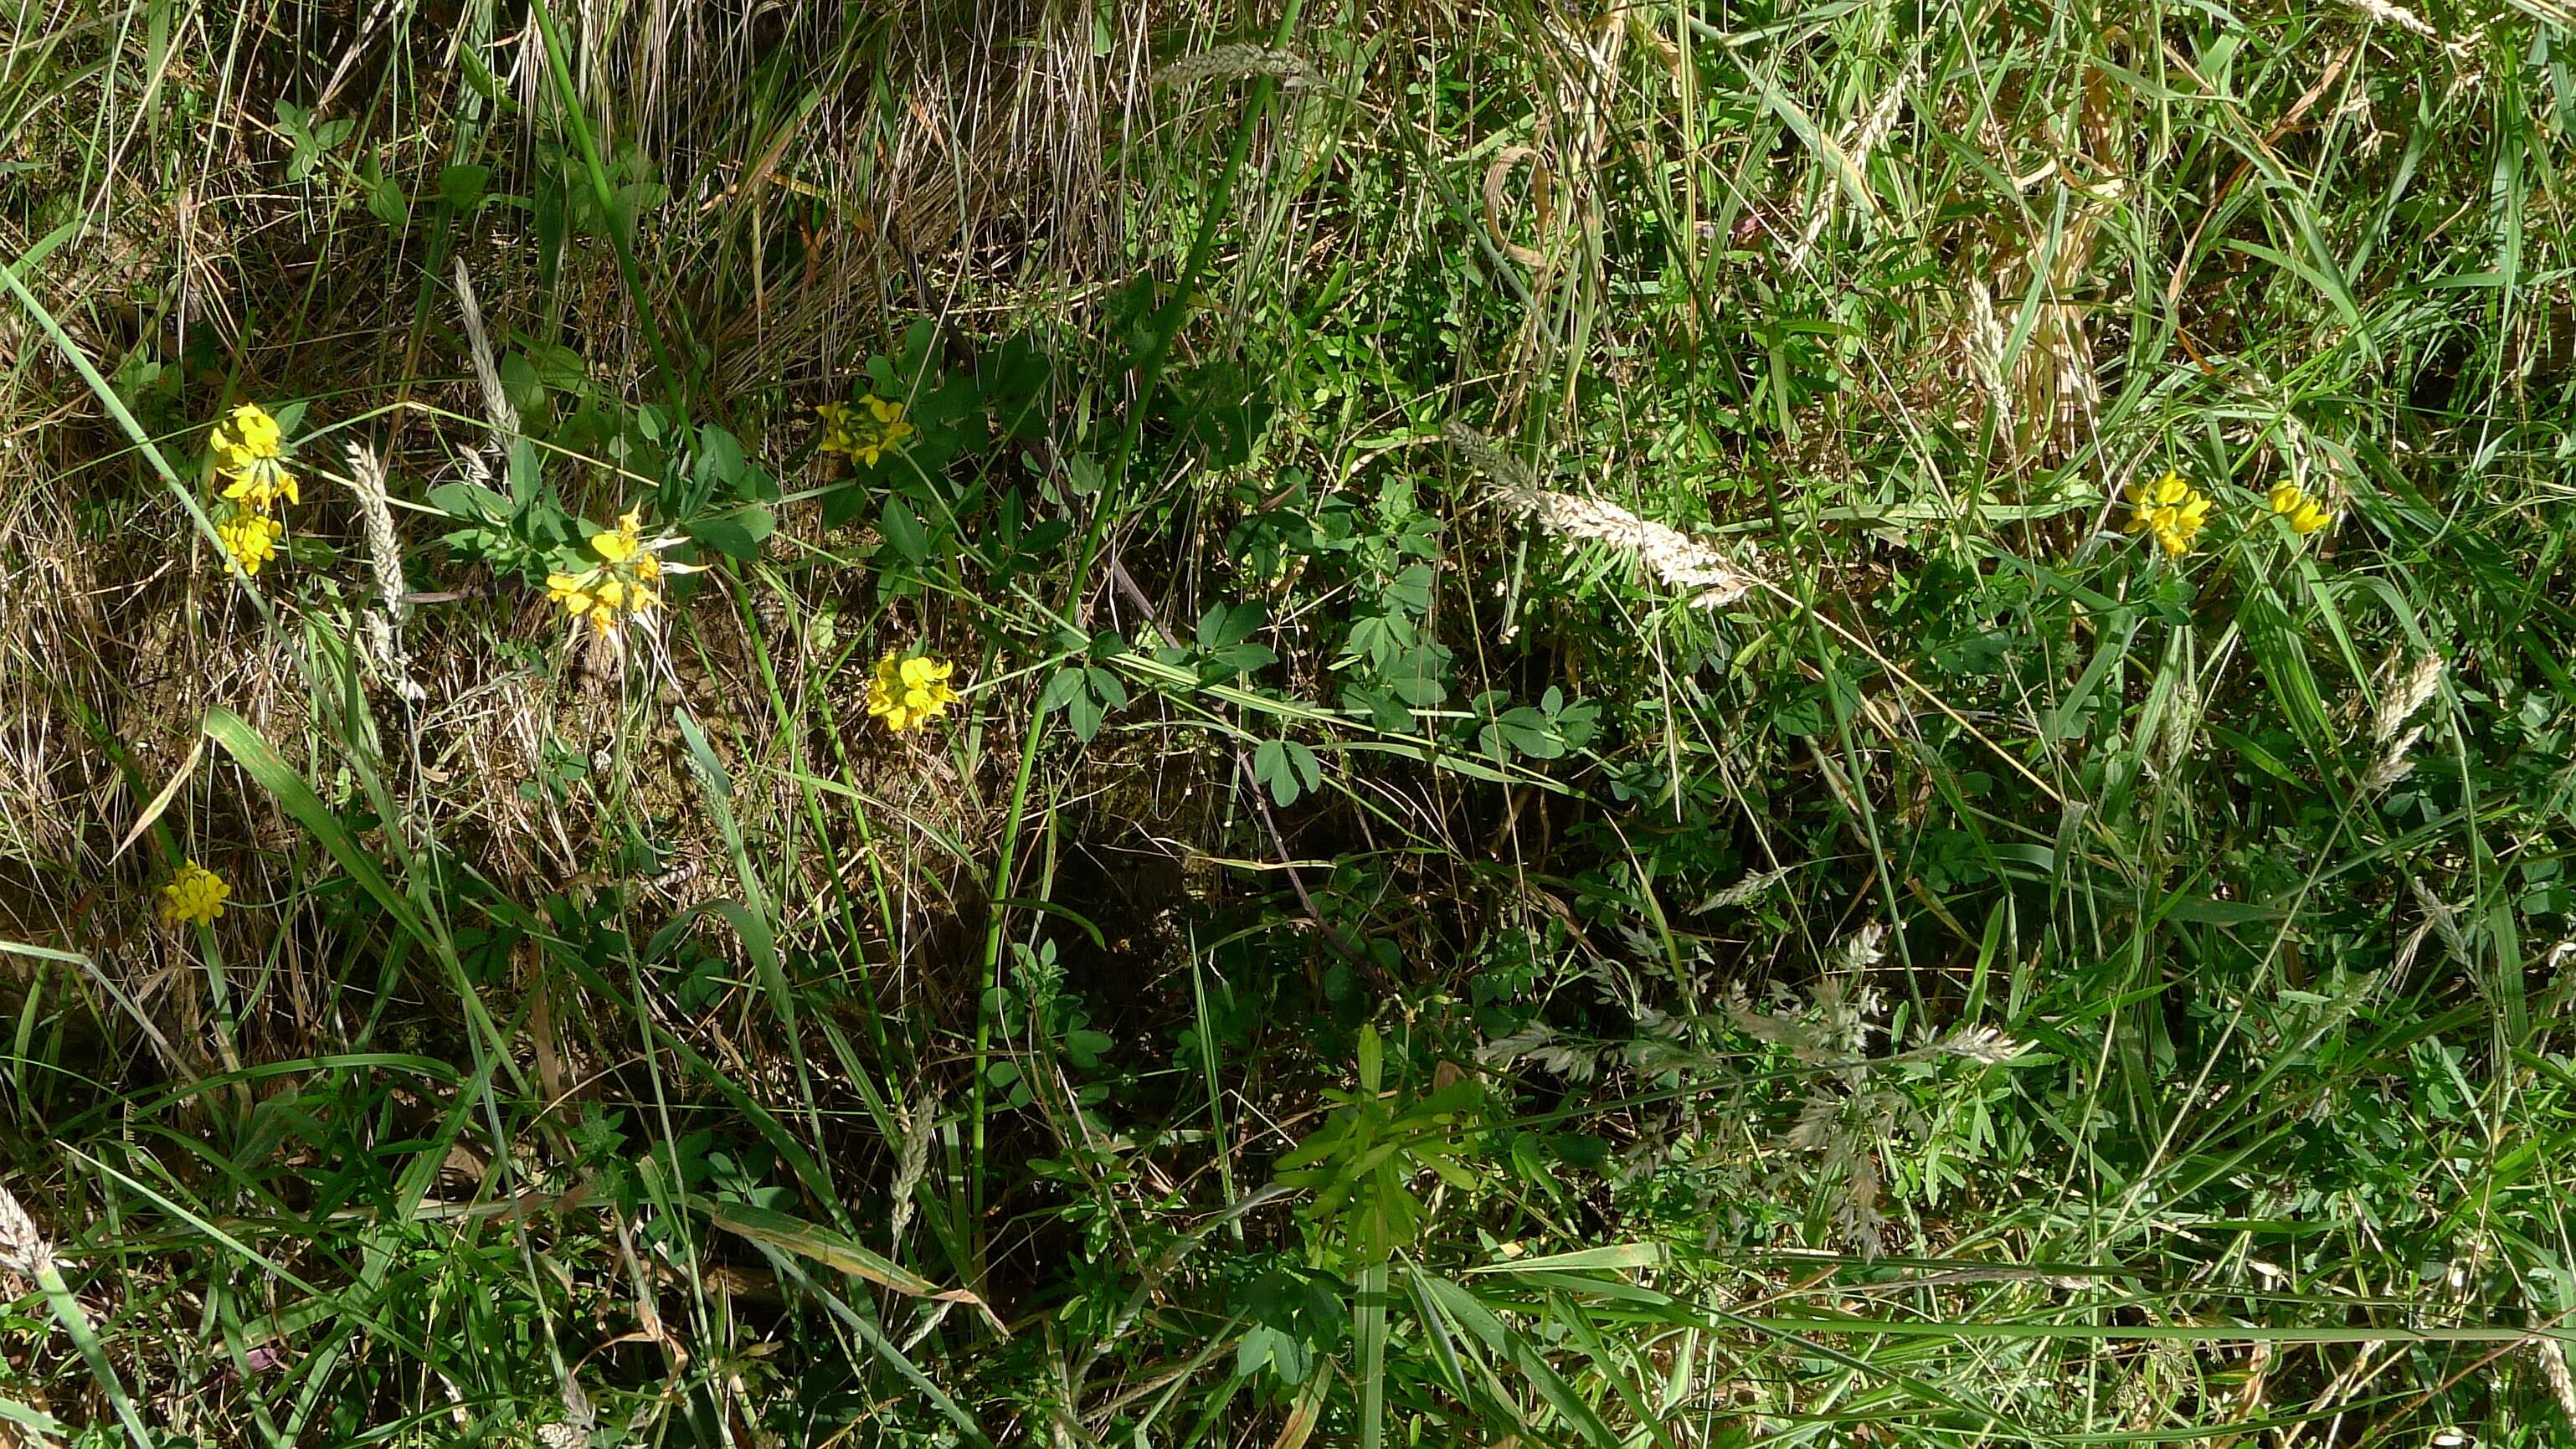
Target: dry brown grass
793 236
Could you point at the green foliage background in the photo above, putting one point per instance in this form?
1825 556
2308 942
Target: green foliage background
1368 959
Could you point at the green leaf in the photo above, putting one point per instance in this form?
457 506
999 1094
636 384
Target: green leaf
37 1420
2211 911
1086 1047
903 531
1111 689
1309 769
737 534
712 775
1422 691
2253 753
1082 474
822 1245
386 201
1607 1258
527 474
1411 589
1084 714
720 461
519 383
463 186
1270 767
469 503
843 503
1061 690
1223 625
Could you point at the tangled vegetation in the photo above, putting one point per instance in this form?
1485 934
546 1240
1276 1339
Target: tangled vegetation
1523 723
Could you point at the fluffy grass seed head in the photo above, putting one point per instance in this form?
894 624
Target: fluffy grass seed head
251 460
2406 698
1293 70
910 692
1709 575
2170 511
2305 513
195 896
23 1249
865 433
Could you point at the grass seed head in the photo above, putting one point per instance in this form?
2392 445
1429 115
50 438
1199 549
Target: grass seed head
1710 576
23 1249
2406 699
1292 70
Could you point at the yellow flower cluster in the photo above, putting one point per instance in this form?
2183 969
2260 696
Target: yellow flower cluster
867 435
620 586
250 539
195 895
251 452
2170 510
252 466
910 692
2306 514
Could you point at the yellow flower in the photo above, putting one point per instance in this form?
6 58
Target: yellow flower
249 539
907 693
195 895
618 588
624 543
251 452
255 433
867 436
890 428
2169 510
837 437
2305 514
571 591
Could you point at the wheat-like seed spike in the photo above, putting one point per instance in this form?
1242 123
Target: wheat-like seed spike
2410 696
1865 947
578 1414
2439 916
2380 12
1986 344
23 1249
1487 459
1753 884
2553 1366
384 549
1294 71
2394 763
1982 1044
496 403
1682 562
921 1120
384 560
